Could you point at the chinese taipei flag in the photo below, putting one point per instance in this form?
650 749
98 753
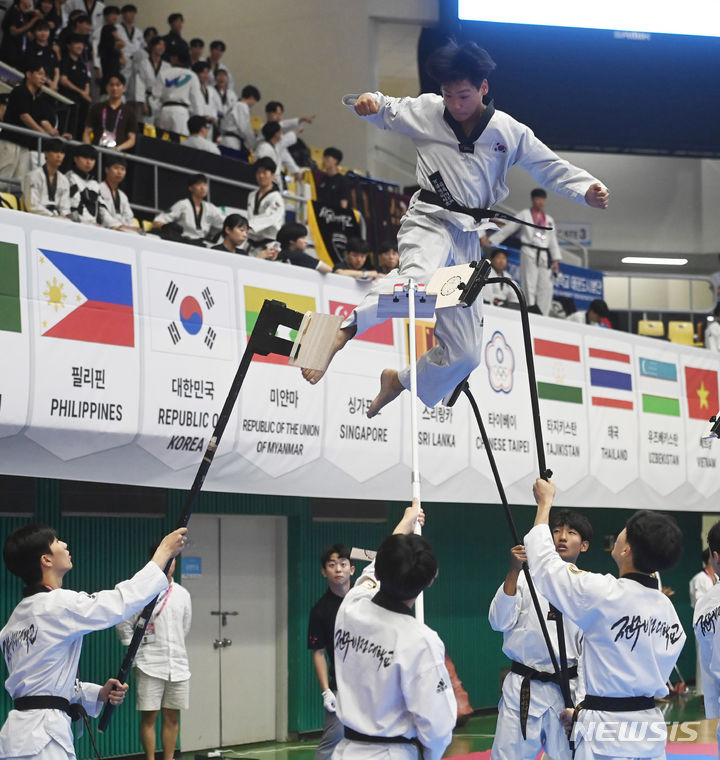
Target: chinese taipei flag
612 411
701 395
562 392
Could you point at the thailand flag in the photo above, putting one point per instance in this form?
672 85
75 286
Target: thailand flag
611 379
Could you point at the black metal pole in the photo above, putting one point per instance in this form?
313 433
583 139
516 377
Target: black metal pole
262 341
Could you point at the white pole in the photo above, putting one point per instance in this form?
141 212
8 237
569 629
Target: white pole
415 478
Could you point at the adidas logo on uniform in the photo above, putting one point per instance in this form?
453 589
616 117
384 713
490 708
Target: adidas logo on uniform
441 686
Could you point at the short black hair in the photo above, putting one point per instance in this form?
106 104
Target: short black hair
215 44
114 160
85 150
128 8
197 42
41 25
108 9
80 18
54 145
290 232
538 192
196 123
335 153
250 91
453 63
270 129
655 539
341 550
706 556
405 565
74 37
600 308
265 163
713 538
120 77
572 519
273 105
385 246
234 220
173 17
197 177
357 245
23 549
154 42
199 66
34 64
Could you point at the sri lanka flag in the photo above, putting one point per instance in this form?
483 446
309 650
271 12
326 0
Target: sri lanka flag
86 299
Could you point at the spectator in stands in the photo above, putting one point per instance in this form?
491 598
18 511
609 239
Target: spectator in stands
235 232
293 245
711 334
355 260
149 72
197 48
293 151
226 95
209 104
111 46
75 83
199 128
92 8
175 45
177 90
275 111
498 293
134 43
78 26
41 49
20 19
388 257
269 147
117 214
46 190
51 16
597 314
198 219
237 132
150 33
112 123
217 50
265 211
24 109
85 205
333 188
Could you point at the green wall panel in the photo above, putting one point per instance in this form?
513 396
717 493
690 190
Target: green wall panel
471 541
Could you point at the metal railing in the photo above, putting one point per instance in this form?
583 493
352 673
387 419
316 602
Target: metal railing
300 200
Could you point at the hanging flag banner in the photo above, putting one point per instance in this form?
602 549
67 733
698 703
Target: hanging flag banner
119 352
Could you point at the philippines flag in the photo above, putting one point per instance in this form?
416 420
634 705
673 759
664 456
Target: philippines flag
86 299
611 378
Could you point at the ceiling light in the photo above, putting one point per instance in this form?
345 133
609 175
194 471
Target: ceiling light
655 261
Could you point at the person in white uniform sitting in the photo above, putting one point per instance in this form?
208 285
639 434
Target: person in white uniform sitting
199 220
42 640
499 293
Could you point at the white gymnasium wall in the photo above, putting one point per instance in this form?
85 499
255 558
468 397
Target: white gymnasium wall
309 54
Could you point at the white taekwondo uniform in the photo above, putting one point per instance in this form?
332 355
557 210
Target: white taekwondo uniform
524 643
36 193
431 237
196 226
280 155
134 44
265 215
201 143
538 250
700 584
237 131
41 643
706 624
391 677
499 293
115 214
177 90
632 639
85 203
148 83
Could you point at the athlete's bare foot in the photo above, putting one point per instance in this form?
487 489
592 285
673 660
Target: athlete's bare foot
390 389
344 334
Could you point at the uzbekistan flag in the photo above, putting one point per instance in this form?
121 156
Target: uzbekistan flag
660 387
382 333
559 362
256 297
610 378
86 299
9 288
701 387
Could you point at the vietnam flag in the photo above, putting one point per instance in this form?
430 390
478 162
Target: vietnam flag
382 333
254 299
701 387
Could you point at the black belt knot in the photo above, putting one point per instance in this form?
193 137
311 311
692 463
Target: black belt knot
530 674
356 736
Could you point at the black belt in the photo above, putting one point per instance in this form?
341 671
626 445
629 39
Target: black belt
74 710
174 103
538 251
356 736
617 704
236 135
530 674
478 214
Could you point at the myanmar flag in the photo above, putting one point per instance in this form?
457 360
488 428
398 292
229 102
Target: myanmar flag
256 297
9 288
701 387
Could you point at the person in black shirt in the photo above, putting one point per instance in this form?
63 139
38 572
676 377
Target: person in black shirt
41 49
110 46
337 569
75 83
51 16
293 243
333 189
175 45
18 21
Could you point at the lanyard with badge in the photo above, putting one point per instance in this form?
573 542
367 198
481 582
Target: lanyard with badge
150 633
109 138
